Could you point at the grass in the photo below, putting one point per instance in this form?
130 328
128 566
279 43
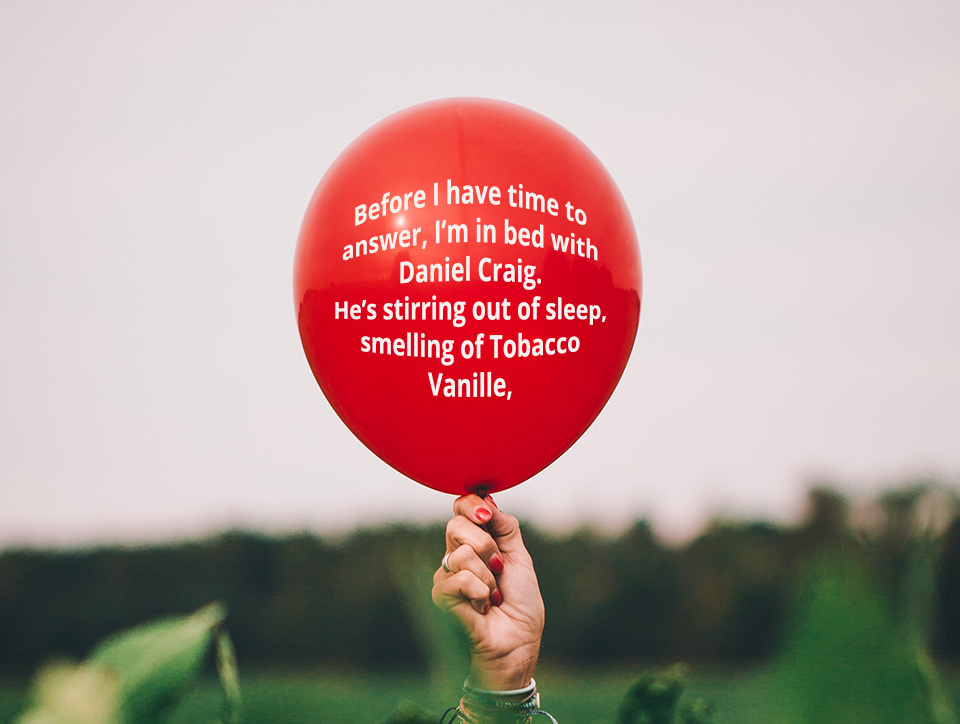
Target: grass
306 697
585 697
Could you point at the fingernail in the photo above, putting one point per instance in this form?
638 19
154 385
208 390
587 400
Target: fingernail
496 564
483 515
491 500
496 598
486 607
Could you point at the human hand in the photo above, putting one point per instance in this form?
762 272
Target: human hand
492 588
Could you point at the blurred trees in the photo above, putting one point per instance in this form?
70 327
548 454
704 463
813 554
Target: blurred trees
724 596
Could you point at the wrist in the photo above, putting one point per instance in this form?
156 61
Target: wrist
503 674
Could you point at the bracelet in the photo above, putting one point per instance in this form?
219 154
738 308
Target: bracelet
484 706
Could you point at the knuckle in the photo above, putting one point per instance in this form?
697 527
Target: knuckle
489 549
468 584
464 502
462 579
457 526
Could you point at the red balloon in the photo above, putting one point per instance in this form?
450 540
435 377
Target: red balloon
467 285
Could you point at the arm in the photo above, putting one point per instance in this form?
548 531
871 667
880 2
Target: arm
492 589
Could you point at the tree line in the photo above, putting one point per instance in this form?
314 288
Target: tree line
726 596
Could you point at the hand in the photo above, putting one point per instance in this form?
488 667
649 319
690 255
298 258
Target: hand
493 590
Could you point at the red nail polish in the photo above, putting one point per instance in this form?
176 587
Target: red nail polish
496 598
493 502
486 608
496 564
483 515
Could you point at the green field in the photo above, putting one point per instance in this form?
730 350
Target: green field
308 697
851 652
581 697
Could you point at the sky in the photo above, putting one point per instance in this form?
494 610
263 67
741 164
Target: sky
792 169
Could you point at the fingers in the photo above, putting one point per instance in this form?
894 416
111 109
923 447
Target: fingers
469 579
479 510
473 557
504 528
462 531
465 558
459 587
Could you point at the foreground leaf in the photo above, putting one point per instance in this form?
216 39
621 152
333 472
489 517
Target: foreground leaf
156 661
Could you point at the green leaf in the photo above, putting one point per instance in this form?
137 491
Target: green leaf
229 680
155 662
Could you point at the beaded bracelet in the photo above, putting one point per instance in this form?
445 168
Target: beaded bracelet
483 706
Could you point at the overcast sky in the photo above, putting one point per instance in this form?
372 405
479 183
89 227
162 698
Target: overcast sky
793 170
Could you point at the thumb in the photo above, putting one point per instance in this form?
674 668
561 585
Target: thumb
503 527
